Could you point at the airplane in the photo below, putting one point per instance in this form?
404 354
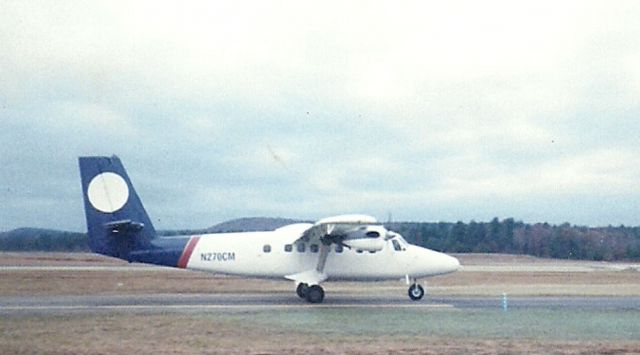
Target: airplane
340 248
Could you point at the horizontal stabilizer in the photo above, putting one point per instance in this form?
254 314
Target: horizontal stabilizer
123 226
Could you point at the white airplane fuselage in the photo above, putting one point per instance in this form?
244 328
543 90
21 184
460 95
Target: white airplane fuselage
344 247
244 254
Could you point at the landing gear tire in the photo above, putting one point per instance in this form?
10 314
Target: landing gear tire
302 290
315 294
416 292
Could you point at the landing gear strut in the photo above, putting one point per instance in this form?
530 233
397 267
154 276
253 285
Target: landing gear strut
313 293
416 292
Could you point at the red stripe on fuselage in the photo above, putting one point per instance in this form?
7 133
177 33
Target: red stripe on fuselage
186 253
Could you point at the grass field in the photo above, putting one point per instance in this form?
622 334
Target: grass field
323 330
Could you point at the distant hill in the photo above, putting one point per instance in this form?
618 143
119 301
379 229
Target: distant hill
251 224
39 239
24 232
248 224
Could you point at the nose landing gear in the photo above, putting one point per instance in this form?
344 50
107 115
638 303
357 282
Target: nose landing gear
416 292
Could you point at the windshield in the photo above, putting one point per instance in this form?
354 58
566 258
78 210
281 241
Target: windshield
403 242
399 243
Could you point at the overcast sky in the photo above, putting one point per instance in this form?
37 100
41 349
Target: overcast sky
425 111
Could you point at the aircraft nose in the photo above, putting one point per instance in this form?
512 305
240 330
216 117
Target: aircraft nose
436 263
453 264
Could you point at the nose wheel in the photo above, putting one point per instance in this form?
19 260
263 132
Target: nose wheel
416 292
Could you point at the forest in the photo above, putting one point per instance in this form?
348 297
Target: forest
514 237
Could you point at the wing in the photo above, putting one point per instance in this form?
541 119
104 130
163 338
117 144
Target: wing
352 231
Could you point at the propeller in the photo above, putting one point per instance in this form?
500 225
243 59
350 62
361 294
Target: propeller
338 239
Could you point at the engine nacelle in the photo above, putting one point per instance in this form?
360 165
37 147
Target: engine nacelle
370 238
365 244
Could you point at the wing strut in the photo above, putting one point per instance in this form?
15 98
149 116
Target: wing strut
322 260
317 275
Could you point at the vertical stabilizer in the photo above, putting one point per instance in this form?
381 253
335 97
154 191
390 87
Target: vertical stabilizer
117 223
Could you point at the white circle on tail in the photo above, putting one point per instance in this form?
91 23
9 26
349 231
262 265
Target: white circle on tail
108 192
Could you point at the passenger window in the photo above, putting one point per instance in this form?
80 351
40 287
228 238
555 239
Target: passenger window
266 248
396 245
288 248
300 247
339 248
313 248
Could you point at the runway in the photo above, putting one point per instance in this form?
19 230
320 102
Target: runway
118 268
530 268
190 303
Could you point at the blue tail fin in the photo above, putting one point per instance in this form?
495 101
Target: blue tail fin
116 220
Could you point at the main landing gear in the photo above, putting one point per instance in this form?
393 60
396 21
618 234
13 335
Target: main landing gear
313 293
416 292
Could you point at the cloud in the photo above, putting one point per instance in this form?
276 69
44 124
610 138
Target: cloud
461 110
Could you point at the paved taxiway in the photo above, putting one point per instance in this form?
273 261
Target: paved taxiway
159 303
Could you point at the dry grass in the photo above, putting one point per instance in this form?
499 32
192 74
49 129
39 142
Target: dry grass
55 259
595 283
181 334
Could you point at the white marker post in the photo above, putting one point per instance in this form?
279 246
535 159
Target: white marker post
505 305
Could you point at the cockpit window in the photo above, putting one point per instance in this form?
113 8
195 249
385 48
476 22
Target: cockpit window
399 244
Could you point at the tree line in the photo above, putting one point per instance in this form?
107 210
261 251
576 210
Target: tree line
34 239
514 237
